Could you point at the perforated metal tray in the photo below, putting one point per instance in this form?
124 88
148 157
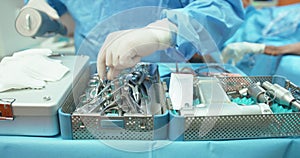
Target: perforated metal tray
79 126
238 126
91 126
129 128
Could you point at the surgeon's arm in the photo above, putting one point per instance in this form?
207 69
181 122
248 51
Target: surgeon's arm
235 52
201 26
68 22
204 25
281 50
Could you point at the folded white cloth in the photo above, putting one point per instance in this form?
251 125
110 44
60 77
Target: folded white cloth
30 68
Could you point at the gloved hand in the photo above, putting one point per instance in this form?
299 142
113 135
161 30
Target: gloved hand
43 6
124 49
236 51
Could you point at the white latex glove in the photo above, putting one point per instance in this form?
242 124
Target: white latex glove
236 51
124 49
43 6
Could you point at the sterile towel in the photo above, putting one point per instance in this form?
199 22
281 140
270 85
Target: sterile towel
30 68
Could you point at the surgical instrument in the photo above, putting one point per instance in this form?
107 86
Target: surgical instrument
282 95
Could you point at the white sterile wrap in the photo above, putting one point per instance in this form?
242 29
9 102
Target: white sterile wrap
30 69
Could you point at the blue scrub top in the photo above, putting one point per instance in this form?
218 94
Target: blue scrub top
203 25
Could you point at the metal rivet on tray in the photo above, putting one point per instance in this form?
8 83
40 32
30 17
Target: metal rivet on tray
47 98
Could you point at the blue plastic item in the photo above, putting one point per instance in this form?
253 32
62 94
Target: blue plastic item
65 124
176 127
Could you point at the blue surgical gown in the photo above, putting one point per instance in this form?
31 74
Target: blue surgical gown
276 26
203 25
